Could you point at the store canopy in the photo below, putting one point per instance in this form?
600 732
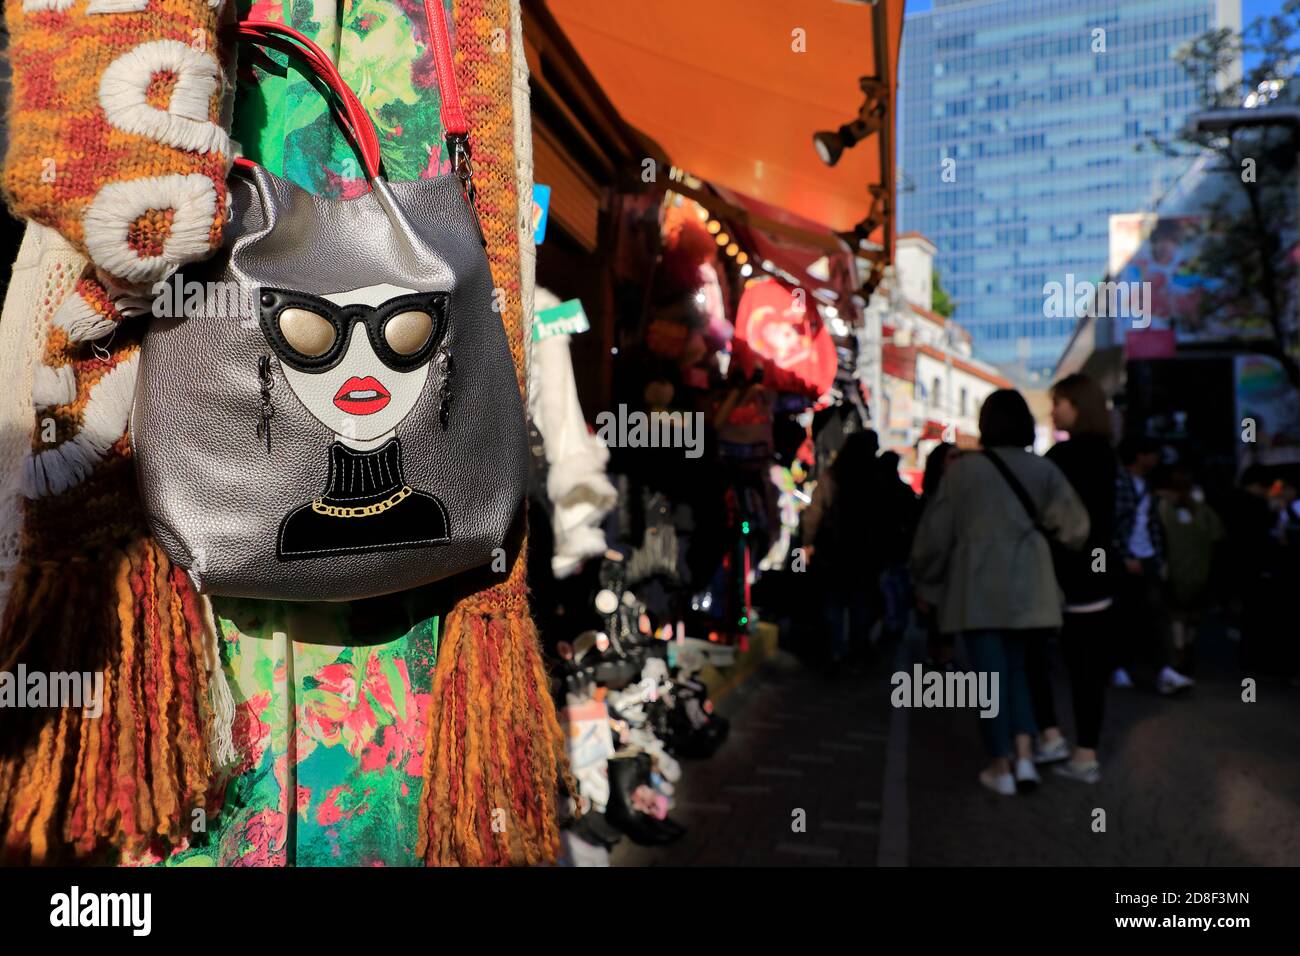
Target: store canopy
733 92
784 244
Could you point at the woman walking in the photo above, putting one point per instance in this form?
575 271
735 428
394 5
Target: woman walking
1087 576
939 646
984 541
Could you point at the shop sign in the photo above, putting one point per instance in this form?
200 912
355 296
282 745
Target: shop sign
567 318
541 211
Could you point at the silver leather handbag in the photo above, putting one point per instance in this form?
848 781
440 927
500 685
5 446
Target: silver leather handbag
339 418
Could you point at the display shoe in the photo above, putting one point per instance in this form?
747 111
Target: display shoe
616 673
595 829
698 741
626 773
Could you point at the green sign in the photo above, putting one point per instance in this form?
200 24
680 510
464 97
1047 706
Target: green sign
567 318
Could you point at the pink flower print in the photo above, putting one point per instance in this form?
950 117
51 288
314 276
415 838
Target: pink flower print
436 166
329 812
249 732
264 834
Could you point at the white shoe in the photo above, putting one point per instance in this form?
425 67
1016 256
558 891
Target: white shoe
1171 682
1054 752
1027 778
1003 784
1120 678
1085 773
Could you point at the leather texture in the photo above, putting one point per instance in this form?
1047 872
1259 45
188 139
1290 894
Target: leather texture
216 498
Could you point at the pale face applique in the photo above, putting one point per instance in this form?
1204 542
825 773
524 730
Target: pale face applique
358 361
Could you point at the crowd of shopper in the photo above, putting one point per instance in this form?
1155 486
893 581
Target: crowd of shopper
1111 552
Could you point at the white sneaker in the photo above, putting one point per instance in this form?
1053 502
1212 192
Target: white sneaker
1120 678
1085 773
1054 752
1003 784
1027 778
1171 682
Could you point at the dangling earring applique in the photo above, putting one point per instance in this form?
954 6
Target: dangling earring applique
444 393
267 383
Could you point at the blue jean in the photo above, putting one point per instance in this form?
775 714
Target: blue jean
1003 653
895 586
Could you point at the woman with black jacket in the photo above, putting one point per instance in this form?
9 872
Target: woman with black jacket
1086 576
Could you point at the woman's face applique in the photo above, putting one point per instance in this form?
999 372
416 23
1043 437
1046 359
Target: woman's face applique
357 360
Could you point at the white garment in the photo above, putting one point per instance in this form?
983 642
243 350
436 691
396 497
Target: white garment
576 483
44 274
1139 540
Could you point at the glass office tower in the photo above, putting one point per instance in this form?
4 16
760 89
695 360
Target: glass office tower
1019 127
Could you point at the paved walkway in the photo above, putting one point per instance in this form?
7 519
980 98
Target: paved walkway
797 742
1199 780
1203 780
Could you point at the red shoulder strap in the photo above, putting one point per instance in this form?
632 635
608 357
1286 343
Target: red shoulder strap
453 118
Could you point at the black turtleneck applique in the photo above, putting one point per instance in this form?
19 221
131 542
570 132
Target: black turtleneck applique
367 506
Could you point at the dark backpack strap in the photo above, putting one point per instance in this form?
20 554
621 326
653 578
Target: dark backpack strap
1019 491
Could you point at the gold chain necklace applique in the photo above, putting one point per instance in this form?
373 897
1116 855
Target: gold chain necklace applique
336 511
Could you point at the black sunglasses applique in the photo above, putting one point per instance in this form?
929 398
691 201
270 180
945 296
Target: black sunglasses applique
311 334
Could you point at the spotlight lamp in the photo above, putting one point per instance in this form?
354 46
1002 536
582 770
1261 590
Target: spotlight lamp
831 144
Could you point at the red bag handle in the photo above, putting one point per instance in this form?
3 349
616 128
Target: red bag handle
353 116
454 123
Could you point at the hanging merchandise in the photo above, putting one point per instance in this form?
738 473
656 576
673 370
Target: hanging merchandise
579 492
69 792
631 716
128 193
137 189
689 316
780 330
363 406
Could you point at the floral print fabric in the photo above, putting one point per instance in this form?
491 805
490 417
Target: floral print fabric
381 47
330 740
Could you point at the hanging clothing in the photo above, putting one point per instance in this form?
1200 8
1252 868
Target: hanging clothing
579 493
329 739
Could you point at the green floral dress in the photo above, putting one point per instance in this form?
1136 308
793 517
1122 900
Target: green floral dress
332 700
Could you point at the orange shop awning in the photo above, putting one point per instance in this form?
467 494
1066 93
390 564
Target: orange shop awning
721 88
